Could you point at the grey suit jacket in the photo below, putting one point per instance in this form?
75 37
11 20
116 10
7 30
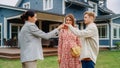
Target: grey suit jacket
29 40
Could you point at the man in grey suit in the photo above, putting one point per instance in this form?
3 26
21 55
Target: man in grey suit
29 40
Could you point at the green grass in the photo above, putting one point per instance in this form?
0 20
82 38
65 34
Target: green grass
106 59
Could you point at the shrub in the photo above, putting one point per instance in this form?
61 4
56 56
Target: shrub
118 45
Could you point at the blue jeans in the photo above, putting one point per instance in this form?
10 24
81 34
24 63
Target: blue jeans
88 64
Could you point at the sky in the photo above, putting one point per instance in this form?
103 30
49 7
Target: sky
114 5
111 4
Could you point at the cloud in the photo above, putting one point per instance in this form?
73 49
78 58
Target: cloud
114 5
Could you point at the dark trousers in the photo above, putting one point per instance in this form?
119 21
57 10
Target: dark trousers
88 64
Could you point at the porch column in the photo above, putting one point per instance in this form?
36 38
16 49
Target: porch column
5 28
111 34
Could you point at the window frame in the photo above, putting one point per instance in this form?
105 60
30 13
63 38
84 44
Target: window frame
26 3
117 26
12 24
107 33
46 5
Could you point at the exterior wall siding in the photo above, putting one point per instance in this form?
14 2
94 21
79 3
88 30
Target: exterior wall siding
76 11
38 5
23 1
5 13
104 42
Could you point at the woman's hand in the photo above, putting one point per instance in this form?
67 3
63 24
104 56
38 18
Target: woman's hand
61 26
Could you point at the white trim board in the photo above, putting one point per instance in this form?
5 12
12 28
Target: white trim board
63 6
1 35
5 28
105 46
14 8
18 16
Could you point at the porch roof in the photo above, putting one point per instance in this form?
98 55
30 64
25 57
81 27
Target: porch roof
106 10
106 17
103 17
75 2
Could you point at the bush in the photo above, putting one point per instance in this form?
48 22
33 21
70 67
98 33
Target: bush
118 45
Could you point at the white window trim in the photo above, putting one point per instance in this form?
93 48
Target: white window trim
45 5
1 35
96 9
106 46
26 4
116 26
107 31
13 24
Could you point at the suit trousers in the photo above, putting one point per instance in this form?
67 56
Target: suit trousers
30 64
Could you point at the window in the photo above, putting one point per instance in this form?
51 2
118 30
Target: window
85 0
94 9
47 4
101 3
26 5
119 32
103 30
15 28
115 32
53 26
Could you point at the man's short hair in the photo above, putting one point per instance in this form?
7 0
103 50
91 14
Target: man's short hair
90 14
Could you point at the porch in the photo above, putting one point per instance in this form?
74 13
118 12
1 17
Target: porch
14 53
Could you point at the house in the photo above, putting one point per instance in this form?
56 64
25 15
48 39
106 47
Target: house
51 14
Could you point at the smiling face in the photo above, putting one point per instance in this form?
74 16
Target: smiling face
69 19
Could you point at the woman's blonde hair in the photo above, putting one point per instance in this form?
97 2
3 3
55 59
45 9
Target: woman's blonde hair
71 17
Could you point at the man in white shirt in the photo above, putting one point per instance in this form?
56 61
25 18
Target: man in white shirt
90 41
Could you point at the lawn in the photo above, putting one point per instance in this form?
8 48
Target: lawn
106 59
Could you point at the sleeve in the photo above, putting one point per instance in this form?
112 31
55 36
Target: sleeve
60 42
78 41
39 33
89 32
